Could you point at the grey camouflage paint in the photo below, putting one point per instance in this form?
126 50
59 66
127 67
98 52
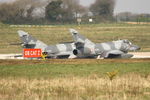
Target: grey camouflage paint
81 47
114 49
52 50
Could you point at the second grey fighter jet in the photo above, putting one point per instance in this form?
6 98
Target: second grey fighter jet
115 49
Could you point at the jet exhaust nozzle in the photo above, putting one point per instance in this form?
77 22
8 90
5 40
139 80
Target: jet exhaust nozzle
75 52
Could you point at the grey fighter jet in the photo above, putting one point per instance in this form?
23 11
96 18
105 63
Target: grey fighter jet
115 49
63 50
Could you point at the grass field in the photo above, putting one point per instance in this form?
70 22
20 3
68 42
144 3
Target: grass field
76 67
75 79
138 34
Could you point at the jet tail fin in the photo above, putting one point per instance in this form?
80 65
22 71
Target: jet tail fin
78 37
30 42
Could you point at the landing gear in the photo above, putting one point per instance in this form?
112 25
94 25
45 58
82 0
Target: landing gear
44 55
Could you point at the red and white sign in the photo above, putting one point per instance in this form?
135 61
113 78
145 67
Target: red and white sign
29 53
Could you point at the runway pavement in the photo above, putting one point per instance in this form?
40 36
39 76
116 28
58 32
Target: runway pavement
140 54
11 56
19 56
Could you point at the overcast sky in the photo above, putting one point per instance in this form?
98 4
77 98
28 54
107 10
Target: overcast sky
135 6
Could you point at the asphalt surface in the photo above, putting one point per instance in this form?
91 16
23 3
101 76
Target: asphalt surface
18 56
140 54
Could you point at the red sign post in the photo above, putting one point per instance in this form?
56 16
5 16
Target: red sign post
32 53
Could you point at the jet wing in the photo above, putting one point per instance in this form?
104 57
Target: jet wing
62 55
115 54
111 54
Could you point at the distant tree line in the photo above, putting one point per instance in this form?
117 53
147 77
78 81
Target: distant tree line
20 11
131 17
40 11
102 10
65 11
58 12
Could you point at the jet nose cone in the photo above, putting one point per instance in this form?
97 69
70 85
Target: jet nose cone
138 48
134 48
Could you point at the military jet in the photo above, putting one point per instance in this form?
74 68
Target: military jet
80 48
115 49
63 50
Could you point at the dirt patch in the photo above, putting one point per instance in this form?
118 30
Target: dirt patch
71 61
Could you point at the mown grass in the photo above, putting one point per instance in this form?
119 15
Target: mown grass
63 70
138 34
83 79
